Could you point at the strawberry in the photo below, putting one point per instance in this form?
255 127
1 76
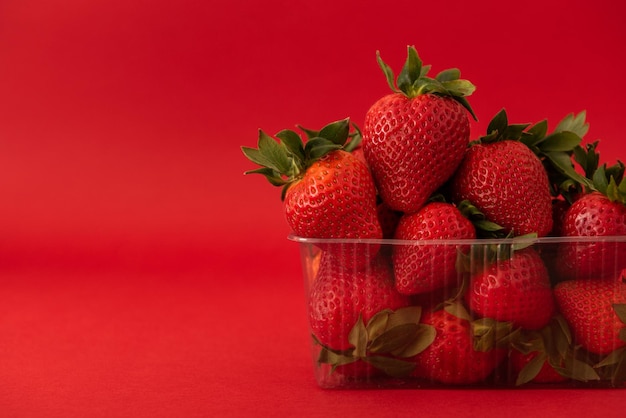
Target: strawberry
503 176
423 267
452 358
595 311
340 296
327 192
415 137
601 212
513 288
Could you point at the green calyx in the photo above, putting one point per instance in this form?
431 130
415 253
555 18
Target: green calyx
387 342
607 180
413 80
285 159
553 344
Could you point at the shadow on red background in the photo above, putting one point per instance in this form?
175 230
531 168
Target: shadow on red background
120 128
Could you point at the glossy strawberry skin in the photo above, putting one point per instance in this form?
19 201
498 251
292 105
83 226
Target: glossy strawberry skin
339 295
335 198
509 184
586 304
593 215
421 268
451 358
413 145
517 289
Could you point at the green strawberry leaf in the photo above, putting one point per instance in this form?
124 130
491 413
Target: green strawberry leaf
389 75
270 174
333 358
576 369
587 158
274 153
458 88
600 181
293 143
498 123
611 359
563 163
531 370
378 323
336 132
317 147
423 338
535 133
411 71
560 141
523 241
406 315
450 74
574 123
358 338
391 366
489 334
393 339
457 309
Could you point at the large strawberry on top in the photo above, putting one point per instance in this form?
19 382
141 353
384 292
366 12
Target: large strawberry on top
415 137
504 174
327 192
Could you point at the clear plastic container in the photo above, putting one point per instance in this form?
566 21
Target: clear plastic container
516 313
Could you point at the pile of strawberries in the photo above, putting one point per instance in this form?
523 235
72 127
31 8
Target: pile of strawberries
450 260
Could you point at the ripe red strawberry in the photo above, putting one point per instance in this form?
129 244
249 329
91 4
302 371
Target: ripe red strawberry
505 173
415 137
339 296
452 358
592 308
327 192
515 289
593 215
421 268
598 212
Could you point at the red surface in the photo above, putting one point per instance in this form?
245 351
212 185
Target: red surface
142 275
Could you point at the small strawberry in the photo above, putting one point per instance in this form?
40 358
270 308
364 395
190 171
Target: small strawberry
327 192
452 357
503 176
513 288
599 214
415 137
340 296
595 311
423 267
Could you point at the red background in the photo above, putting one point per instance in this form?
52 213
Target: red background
141 272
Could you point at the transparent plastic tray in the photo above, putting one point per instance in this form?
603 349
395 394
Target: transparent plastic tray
467 315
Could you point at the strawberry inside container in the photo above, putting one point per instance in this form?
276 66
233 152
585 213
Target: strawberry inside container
487 313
